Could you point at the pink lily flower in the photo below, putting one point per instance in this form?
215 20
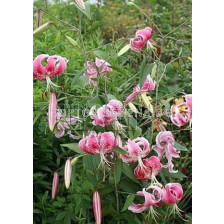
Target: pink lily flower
52 111
103 116
165 145
181 114
137 148
147 86
97 207
101 143
107 114
139 42
151 199
55 185
172 194
150 169
55 66
116 106
100 66
188 99
63 124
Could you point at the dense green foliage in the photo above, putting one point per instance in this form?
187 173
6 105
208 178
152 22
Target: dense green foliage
109 30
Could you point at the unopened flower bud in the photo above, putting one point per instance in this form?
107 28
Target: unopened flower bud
97 207
67 173
55 185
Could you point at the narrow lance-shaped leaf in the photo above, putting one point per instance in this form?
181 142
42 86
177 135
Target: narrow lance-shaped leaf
129 200
124 50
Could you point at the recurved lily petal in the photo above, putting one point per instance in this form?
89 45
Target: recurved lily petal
116 106
97 207
151 199
52 111
67 173
55 66
172 193
55 185
165 145
149 170
188 99
136 148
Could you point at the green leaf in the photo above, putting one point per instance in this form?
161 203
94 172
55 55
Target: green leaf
129 172
118 170
77 75
95 101
72 42
60 216
111 97
74 147
180 147
179 175
119 150
129 200
67 219
153 73
101 54
131 121
85 11
144 71
124 50
137 132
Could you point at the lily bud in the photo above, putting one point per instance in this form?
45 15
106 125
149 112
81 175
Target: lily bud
39 18
147 103
42 28
67 173
133 107
130 3
97 207
81 4
52 111
55 185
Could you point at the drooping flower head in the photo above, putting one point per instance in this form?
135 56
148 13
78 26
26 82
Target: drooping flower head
103 116
137 148
181 114
151 199
55 66
139 42
63 125
99 67
165 145
172 193
150 169
116 106
101 143
148 85
106 114
96 143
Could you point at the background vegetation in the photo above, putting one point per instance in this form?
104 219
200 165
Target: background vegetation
112 24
